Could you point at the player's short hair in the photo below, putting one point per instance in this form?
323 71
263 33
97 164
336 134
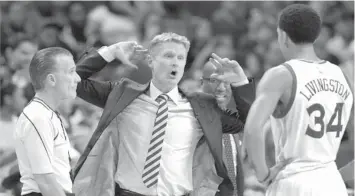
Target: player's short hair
169 37
43 63
301 23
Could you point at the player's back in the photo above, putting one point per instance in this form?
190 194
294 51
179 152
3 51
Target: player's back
310 131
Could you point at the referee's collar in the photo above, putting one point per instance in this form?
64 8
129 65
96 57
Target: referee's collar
40 101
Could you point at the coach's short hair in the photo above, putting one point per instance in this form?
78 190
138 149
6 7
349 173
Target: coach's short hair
43 63
301 23
169 37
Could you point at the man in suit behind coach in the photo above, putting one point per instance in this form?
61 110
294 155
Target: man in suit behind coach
146 138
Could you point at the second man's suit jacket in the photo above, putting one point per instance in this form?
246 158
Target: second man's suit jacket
114 97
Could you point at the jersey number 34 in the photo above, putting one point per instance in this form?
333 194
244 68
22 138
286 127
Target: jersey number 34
320 120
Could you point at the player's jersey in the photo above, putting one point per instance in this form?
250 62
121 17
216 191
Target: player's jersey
310 131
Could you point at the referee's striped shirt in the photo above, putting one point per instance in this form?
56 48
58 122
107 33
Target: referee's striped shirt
42 146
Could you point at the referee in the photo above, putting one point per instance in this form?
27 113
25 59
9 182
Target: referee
41 142
42 145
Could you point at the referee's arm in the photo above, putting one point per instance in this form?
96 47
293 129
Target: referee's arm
38 143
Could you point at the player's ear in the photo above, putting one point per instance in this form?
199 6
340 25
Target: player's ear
285 38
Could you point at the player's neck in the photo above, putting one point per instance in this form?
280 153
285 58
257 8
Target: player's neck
305 52
48 99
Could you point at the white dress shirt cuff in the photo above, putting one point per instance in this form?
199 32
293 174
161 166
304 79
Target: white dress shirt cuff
241 83
106 53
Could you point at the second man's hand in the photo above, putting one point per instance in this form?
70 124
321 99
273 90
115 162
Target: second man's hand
228 71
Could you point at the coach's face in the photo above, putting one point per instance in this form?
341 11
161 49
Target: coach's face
66 77
167 62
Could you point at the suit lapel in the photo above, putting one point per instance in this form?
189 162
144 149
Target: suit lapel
118 103
120 97
211 127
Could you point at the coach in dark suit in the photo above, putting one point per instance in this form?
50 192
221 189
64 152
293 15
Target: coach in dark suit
145 140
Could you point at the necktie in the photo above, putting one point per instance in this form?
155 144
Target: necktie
229 159
152 162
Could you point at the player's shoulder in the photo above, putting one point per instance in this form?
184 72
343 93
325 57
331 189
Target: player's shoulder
276 79
279 73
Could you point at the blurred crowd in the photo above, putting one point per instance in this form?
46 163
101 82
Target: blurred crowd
244 31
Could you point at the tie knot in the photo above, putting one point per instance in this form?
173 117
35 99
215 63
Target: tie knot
162 97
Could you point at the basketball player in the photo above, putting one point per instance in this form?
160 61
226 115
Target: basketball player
309 101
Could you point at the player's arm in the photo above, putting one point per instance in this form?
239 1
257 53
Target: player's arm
269 92
39 143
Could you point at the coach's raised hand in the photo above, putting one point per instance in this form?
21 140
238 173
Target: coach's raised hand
128 53
228 71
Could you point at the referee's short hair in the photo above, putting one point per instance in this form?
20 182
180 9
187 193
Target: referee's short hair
301 23
43 63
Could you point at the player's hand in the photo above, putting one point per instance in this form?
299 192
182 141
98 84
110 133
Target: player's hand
274 171
228 71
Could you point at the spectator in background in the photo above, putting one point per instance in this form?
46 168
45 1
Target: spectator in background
18 56
344 34
111 22
19 52
201 37
320 46
83 118
50 35
150 26
231 17
11 104
272 57
225 46
74 32
177 19
15 22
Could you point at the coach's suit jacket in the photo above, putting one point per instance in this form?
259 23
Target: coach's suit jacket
94 172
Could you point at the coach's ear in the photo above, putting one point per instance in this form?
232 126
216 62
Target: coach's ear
150 61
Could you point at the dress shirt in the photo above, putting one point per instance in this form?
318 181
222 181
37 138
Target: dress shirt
134 129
